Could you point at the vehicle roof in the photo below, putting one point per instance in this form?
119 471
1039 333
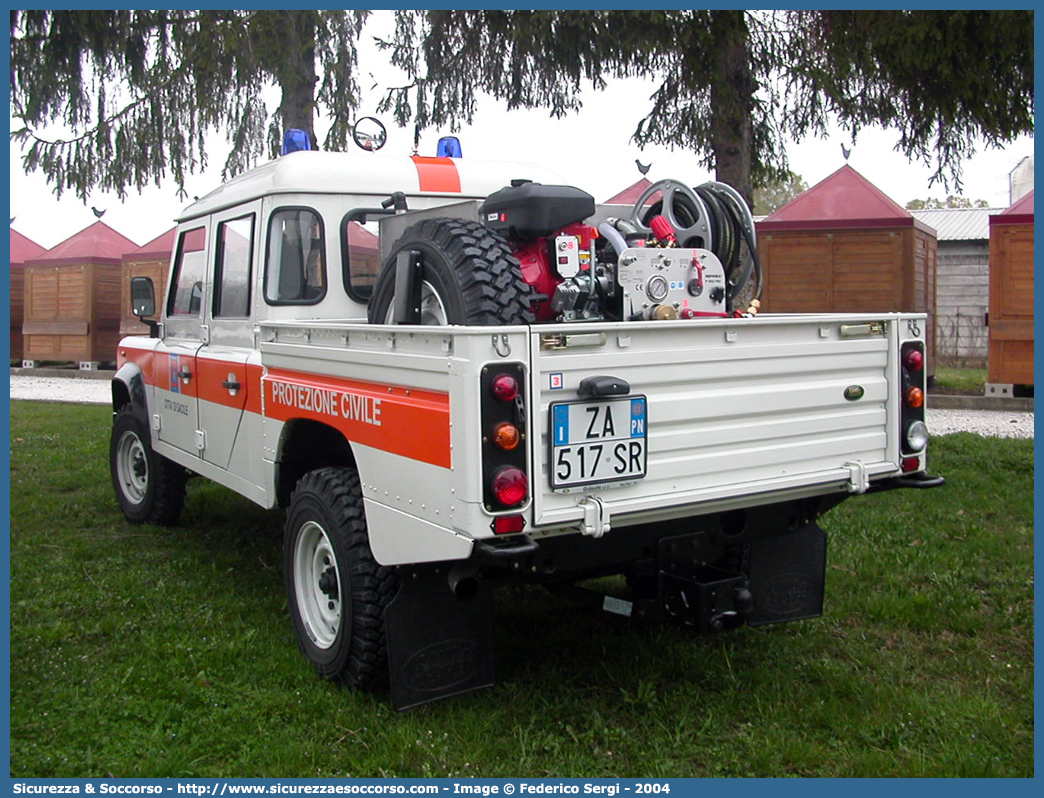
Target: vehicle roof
369 174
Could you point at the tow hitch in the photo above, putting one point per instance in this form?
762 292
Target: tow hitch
772 579
709 600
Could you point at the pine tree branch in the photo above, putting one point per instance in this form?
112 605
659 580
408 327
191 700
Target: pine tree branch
27 132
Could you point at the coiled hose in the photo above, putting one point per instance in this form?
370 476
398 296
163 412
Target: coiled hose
730 225
733 223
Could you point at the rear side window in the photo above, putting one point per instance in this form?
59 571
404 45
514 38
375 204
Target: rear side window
361 248
295 271
235 240
190 267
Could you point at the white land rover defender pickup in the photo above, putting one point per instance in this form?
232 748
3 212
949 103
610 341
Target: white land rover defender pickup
456 374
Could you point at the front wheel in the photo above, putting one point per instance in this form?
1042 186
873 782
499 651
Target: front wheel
337 592
149 487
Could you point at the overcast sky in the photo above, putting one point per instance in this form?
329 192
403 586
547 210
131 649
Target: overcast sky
591 150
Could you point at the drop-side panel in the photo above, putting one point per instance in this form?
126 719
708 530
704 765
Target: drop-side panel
740 407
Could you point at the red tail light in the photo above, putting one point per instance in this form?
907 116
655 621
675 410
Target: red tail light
510 486
504 387
913 432
502 426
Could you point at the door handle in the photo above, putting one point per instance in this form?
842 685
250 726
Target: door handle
185 374
231 384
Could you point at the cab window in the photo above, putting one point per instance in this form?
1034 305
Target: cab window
190 266
235 239
295 272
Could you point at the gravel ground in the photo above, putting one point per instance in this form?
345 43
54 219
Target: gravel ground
991 423
997 423
61 389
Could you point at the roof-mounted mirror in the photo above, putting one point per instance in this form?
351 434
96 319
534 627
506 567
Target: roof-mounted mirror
369 133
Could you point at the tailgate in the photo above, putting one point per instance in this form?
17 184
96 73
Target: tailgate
734 407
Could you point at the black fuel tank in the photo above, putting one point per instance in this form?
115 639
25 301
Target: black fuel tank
533 210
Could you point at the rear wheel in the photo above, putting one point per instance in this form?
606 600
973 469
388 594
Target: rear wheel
469 276
337 592
149 487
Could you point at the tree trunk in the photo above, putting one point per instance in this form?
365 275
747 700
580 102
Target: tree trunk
298 78
732 101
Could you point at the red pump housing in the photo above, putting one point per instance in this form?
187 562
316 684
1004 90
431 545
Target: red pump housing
535 258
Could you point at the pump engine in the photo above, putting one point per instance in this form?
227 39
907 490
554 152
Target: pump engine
687 255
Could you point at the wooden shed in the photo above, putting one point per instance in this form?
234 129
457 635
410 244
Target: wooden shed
844 246
1011 298
149 260
72 299
22 249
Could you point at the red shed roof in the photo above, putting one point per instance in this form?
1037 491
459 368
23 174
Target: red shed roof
845 199
1020 212
631 194
159 247
360 239
23 248
98 243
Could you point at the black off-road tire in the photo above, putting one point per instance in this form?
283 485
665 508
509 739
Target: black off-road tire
336 590
469 267
149 487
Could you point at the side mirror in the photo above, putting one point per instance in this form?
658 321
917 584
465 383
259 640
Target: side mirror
369 134
143 303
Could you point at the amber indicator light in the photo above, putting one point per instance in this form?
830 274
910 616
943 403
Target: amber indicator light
505 436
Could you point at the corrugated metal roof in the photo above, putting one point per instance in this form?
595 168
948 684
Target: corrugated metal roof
958 224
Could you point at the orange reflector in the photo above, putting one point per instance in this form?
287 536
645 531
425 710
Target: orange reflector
505 436
508 525
914 397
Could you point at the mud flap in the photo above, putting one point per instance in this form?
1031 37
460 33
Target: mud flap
787 573
439 645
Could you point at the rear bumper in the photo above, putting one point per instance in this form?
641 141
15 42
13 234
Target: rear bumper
920 480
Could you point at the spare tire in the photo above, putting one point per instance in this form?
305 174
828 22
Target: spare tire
469 276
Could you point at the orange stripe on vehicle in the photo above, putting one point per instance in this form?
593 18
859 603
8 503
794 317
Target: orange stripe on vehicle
404 421
159 368
211 374
142 358
437 174
408 422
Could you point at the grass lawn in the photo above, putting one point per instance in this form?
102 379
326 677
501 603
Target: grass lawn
959 381
145 651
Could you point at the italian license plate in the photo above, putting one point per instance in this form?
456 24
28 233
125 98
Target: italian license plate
594 443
